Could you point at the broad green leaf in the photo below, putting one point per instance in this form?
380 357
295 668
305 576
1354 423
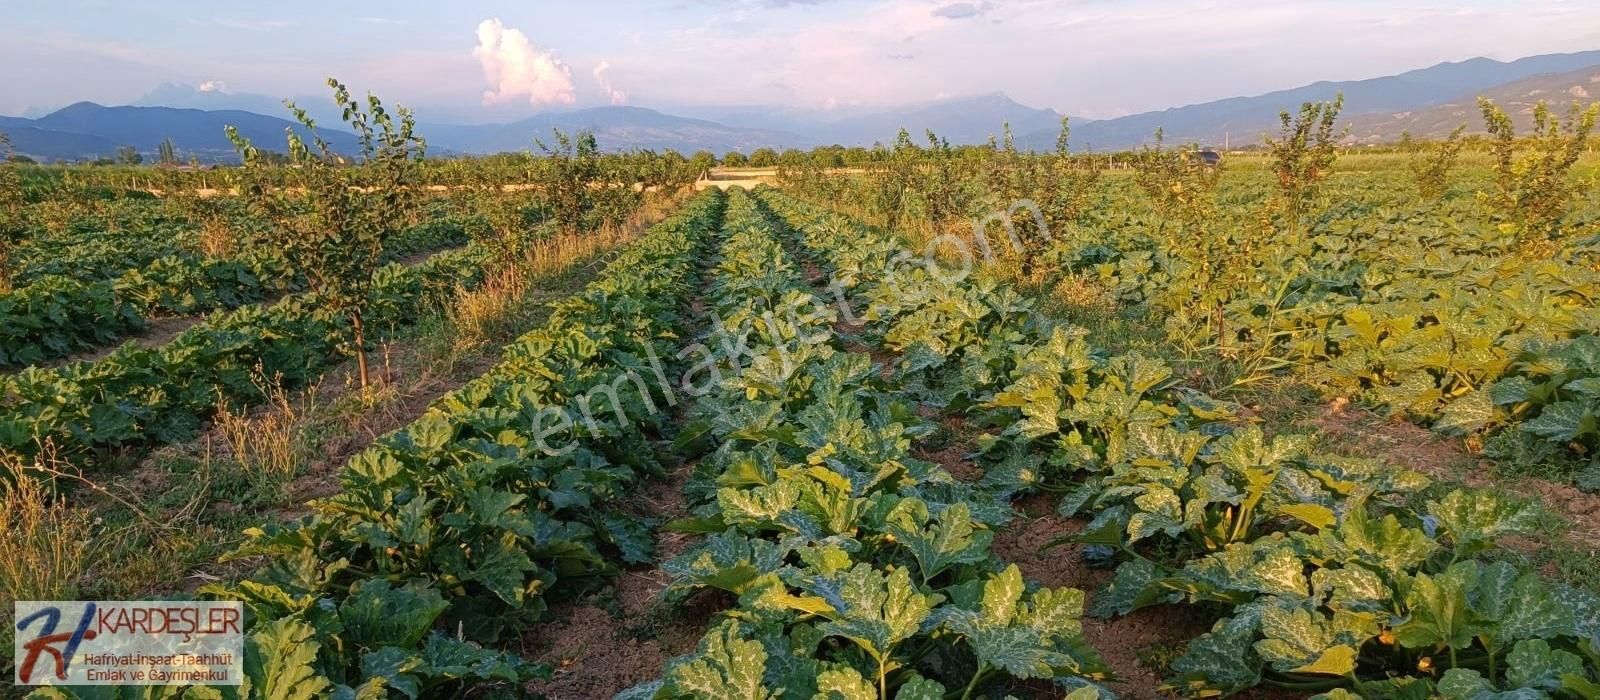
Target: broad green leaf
1000 596
280 662
1533 664
378 615
1300 640
919 688
725 667
1467 414
1222 660
844 684
1563 421
878 612
1439 614
949 539
1353 589
1480 517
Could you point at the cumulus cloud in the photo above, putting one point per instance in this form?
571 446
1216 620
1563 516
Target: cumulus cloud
601 76
213 86
519 70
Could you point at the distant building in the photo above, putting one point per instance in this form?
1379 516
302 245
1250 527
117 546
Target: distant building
1209 157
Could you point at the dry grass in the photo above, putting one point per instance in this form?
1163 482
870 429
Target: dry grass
216 238
1084 296
269 444
498 309
44 542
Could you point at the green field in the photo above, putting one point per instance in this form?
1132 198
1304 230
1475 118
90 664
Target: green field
915 422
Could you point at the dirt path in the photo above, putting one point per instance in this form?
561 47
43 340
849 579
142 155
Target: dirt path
624 635
157 332
611 641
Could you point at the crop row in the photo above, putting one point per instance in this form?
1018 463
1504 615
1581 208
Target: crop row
56 315
159 395
1333 574
460 526
860 571
1419 308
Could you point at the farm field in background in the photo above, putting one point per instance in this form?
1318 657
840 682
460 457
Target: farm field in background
918 421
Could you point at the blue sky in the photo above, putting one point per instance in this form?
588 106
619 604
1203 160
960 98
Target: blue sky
474 60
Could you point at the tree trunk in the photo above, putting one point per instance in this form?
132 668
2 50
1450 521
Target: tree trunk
360 343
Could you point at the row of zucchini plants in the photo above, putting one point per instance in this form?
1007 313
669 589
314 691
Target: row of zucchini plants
55 315
457 529
1416 308
1336 575
859 570
158 395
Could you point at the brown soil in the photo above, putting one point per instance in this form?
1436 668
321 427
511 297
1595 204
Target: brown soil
1120 641
953 454
1158 632
597 653
415 387
157 332
1362 432
1358 431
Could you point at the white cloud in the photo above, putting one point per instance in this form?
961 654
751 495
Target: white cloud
601 75
213 86
517 69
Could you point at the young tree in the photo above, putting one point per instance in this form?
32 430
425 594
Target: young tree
571 168
1431 163
701 163
167 154
329 223
128 155
1303 155
895 180
1180 182
943 192
1533 191
1069 183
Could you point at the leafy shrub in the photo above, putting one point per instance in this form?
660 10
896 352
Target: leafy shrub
1430 163
1532 190
1303 155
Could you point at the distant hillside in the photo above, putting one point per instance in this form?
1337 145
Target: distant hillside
40 144
615 128
1429 101
86 130
1516 98
1243 120
967 120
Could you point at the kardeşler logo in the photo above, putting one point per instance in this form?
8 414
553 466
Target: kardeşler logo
151 642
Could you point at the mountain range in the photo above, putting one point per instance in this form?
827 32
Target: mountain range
1518 99
1429 101
1243 120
